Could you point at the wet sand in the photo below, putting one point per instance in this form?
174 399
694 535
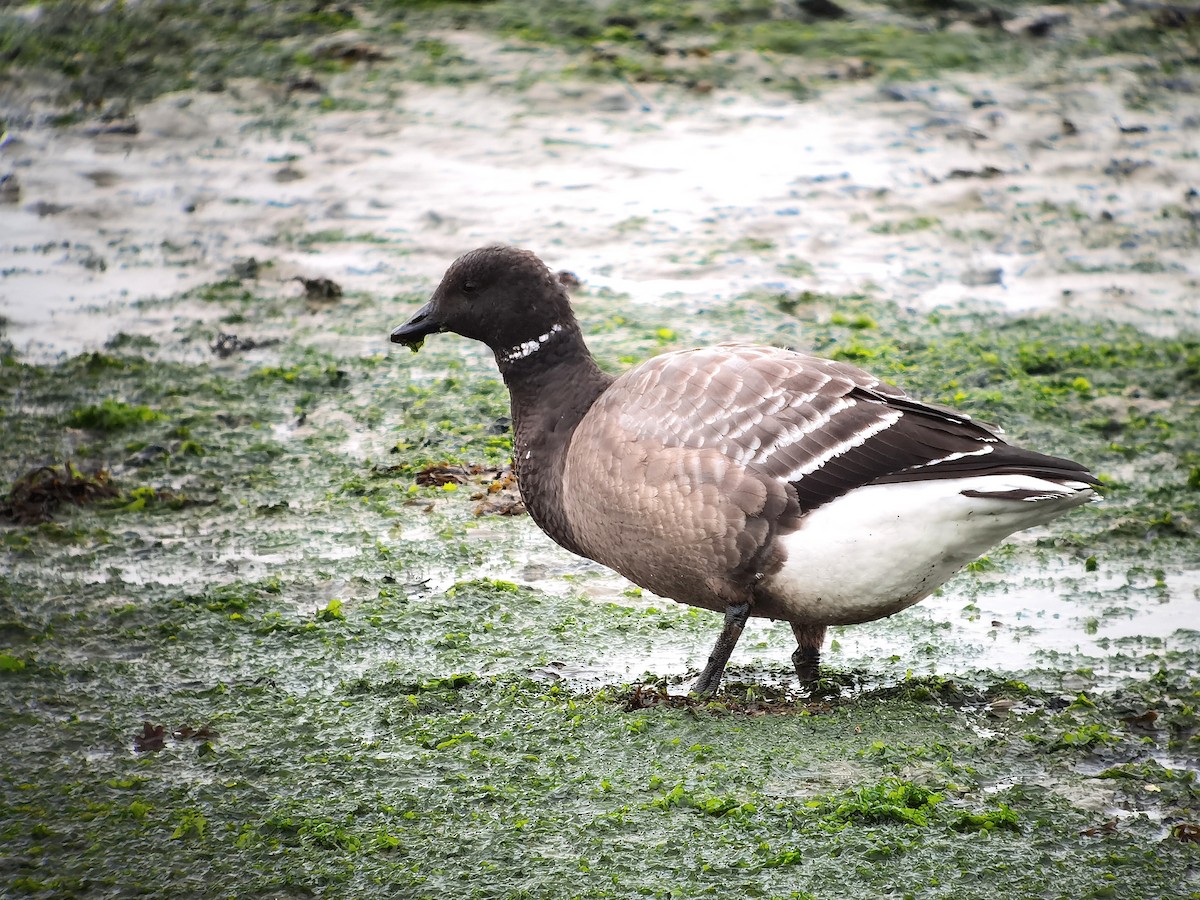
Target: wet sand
1039 193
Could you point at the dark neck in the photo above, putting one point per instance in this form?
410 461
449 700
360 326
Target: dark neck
552 387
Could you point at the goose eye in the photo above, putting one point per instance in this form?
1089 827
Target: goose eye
468 287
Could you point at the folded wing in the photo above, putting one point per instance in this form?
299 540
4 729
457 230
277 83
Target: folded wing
824 427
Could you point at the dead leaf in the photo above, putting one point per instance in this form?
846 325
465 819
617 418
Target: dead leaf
502 497
436 476
507 504
1188 832
36 495
1145 720
1001 707
229 344
188 733
151 740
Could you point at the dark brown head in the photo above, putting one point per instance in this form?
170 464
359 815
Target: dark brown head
502 296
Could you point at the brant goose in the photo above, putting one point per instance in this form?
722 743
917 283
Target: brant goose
748 480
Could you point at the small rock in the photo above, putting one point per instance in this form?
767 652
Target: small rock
320 288
1043 25
1178 85
288 173
966 133
149 454
985 172
348 47
1123 168
41 208
821 9
942 122
307 85
127 126
896 94
980 277
245 268
94 263
10 189
1131 129
852 69
617 102
102 177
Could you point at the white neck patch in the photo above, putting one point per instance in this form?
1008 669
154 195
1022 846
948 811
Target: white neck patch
528 348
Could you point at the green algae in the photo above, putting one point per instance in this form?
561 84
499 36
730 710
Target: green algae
348 679
137 51
111 415
549 785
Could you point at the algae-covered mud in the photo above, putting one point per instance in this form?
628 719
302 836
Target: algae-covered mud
271 621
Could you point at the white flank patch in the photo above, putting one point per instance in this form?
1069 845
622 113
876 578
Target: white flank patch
528 348
881 548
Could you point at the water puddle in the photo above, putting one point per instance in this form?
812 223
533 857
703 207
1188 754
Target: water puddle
1053 626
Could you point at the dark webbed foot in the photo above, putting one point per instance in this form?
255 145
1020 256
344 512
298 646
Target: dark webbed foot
807 656
735 621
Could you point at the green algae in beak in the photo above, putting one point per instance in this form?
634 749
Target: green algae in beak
412 333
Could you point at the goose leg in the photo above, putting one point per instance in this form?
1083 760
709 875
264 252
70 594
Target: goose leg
735 621
807 656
